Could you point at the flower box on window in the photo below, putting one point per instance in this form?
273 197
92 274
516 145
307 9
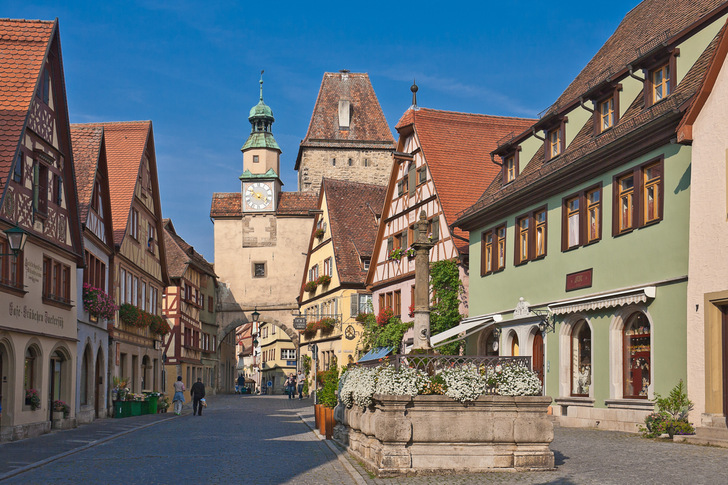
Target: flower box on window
323 280
310 286
319 233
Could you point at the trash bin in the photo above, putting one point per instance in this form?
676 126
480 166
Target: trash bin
136 408
153 403
122 409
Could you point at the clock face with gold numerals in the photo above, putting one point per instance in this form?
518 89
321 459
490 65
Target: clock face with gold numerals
259 196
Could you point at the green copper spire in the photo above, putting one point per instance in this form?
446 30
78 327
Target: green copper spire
261 120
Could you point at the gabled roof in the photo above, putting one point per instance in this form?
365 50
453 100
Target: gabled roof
180 254
228 204
456 147
537 174
368 127
353 209
126 142
86 141
644 28
23 47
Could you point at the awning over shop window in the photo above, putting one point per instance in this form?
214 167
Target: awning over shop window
608 300
377 353
467 327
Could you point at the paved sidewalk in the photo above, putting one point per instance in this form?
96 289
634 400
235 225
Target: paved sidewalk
17 456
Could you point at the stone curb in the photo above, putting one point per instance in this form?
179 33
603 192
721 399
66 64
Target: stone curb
51 459
339 454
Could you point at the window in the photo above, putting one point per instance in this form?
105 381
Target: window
501 248
40 188
153 299
11 267
366 262
256 159
360 303
660 78
510 168
122 286
57 190
636 356
413 233
288 354
638 197
422 175
389 300
258 270
44 86
493 250
143 296
486 253
351 162
606 114
134 224
582 218
328 266
56 281
366 162
151 236
522 240
540 221
433 229
18 169
333 162
397 303
554 143
94 273
581 368
96 202
29 373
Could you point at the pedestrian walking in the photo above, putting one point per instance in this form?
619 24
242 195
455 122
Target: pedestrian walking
300 384
197 391
179 397
291 386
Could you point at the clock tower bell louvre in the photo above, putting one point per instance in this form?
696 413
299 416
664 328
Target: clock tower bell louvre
260 181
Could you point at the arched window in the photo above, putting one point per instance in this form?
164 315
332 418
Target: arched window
514 344
31 363
85 378
636 358
581 365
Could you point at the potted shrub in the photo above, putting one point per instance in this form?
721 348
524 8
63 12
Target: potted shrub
396 254
328 400
32 398
323 280
310 286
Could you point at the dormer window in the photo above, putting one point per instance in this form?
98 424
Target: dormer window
510 168
660 78
606 113
554 142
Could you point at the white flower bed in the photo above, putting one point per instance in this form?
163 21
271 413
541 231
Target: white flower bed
462 383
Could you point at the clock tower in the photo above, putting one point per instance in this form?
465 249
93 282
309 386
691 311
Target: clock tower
260 180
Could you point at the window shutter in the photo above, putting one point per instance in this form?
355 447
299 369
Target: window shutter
390 245
416 232
400 187
436 228
404 240
411 179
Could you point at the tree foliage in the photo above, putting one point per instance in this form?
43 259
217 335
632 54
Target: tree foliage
447 289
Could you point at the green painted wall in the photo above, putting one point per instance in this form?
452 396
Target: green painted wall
694 45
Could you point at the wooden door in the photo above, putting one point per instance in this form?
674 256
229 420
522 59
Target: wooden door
538 356
97 386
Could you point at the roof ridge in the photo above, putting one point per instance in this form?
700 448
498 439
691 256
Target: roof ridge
500 117
27 20
103 123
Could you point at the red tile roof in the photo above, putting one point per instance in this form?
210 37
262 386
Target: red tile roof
368 127
125 142
456 147
297 203
23 46
352 209
86 142
226 204
180 254
645 27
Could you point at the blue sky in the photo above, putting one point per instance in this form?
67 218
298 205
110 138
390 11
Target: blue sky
193 68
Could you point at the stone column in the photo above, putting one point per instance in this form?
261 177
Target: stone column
422 248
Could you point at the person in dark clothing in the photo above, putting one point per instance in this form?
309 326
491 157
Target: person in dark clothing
198 392
241 383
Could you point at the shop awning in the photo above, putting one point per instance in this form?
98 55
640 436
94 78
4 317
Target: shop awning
467 327
606 300
376 354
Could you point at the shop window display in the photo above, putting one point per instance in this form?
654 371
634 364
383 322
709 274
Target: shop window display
581 365
636 343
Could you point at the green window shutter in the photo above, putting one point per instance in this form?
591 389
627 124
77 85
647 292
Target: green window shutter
411 180
390 245
404 240
354 305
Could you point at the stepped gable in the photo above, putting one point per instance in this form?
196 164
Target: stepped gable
368 127
353 210
23 45
539 171
456 147
86 142
125 143
648 25
180 254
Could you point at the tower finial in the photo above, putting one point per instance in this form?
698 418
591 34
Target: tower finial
261 84
414 89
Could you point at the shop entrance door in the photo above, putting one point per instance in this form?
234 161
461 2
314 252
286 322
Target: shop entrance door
2 403
537 356
55 384
97 385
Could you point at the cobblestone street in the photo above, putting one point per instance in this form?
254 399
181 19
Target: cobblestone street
248 439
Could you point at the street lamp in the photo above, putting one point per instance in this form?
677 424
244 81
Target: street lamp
256 314
16 240
496 338
546 322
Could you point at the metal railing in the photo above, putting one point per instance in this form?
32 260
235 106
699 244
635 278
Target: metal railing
432 363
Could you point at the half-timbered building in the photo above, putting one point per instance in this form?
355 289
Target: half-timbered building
138 262
441 166
38 329
184 300
89 152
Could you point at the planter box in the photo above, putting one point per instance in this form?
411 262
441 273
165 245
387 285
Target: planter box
401 435
136 408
